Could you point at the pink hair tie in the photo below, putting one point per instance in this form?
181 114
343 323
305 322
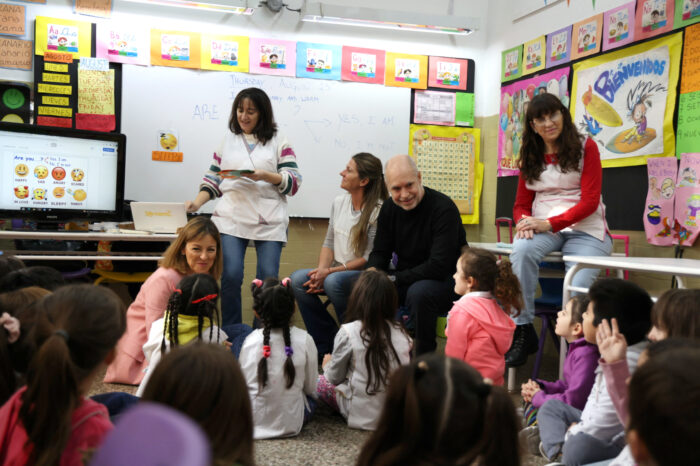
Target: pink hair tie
257 282
208 297
266 351
285 281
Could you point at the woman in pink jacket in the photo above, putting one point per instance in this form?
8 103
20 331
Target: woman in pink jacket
479 328
197 249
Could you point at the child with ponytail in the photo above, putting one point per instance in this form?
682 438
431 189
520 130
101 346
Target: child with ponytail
49 421
479 328
279 363
440 411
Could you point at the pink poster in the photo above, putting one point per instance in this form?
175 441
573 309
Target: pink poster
688 199
272 56
515 99
658 214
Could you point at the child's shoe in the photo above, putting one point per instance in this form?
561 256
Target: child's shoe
530 438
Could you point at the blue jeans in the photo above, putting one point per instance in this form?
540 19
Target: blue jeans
319 323
237 334
234 249
528 253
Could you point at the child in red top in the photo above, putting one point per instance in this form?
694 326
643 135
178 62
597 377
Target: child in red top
479 329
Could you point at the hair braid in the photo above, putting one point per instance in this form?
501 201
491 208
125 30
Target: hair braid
262 365
289 371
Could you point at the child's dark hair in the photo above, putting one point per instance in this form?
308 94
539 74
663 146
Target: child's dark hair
494 276
76 329
664 399
205 382
439 411
273 300
579 304
374 301
624 301
38 275
9 263
677 312
266 127
196 296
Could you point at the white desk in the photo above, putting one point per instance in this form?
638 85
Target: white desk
506 249
85 236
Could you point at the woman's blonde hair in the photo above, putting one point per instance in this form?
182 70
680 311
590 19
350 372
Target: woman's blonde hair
173 258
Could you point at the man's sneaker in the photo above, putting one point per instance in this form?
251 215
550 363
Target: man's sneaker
525 342
530 438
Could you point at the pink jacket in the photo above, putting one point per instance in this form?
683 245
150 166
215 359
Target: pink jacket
89 426
616 375
479 333
149 306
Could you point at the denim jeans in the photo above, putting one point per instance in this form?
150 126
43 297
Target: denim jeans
234 249
319 323
528 253
237 333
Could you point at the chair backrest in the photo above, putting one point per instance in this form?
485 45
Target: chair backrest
507 221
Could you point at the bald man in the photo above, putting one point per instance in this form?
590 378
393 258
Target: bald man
423 227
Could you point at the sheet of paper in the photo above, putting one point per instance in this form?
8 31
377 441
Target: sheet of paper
464 112
434 108
690 70
688 137
99 8
17 53
92 122
96 92
12 19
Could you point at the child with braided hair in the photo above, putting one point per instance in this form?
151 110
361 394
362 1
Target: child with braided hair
279 363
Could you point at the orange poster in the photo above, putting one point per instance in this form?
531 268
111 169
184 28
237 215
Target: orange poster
12 19
16 53
690 70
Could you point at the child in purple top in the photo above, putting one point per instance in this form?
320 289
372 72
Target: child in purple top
578 377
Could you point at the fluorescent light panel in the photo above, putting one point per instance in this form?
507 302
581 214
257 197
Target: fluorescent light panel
320 12
226 6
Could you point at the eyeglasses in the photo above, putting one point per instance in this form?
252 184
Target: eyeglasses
553 117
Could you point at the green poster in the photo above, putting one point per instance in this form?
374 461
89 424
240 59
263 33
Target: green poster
688 135
512 63
464 113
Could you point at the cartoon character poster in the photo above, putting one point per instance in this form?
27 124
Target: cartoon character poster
624 102
122 43
658 211
618 26
271 56
687 200
447 73
533 52
653 17
176 48
559 47
319 61
62 38
363 65
404 70
515 99
687 12
587 34
224 52
63 35
512 63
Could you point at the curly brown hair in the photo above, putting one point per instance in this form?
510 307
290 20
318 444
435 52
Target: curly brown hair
569 143
494 276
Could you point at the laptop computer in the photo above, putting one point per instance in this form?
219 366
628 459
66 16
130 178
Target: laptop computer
158 217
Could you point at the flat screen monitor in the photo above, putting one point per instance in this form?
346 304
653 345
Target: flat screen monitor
55 174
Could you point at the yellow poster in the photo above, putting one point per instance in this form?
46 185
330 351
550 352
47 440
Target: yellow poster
96 92
405 70
448 159
63 35
533 55
224 53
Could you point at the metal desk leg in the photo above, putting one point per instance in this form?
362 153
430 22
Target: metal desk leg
568 278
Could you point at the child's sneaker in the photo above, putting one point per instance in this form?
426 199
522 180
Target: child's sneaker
554 460
530 438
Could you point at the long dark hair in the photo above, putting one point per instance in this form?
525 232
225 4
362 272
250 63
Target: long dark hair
677 312
196 296
77 327
439 411
570 142
494 276
266 127
368 167
273 300
374 301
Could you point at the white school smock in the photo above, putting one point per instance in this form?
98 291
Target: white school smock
278 411
343 218
347 371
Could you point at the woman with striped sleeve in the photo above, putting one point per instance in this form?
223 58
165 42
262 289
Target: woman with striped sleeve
253 171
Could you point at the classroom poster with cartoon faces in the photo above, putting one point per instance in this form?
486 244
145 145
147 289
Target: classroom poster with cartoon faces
39 181
363 65
618 26
587 35
687 199
558 47
224 52
689 11
179 49
447 73
271 56
175 47
406 70
653 17
658 211
515 99
534 55
319 60
511 63
122 43
62 38
62 35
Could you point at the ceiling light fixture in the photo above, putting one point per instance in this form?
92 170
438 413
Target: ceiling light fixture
236 7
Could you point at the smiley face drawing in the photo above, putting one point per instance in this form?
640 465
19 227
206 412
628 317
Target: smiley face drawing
39 194
77 174
58 192
79 195
58 173
21 169
41 172
21 192
168 141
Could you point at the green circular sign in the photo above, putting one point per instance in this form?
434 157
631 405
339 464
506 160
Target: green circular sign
13 98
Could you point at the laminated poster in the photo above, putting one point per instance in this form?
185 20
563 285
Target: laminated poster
687 12
534 57
618 26
175 48
586 39
271 56
447 73
687 200
404 70
449 158
319 61
512 63
659 212
121 43
225 53
559 47
63 36
515 99
625 100
363 65
653 17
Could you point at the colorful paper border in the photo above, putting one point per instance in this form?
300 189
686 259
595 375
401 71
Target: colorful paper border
575 54
532 62
566 56
390 78
142 38
304 71
194 60
290 57
212 62
620 40
348 74
645 32
518 71
84 36
682 15
433 81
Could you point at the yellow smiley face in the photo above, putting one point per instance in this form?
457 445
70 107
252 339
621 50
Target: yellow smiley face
41 172
168 141
39 194
21 169
77 174
79 195
21 192
58 192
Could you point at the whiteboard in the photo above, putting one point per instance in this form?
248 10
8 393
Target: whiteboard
326 123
